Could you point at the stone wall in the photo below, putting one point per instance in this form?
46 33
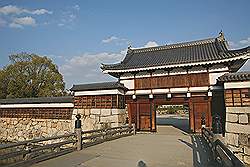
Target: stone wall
100 118
237 135
19 129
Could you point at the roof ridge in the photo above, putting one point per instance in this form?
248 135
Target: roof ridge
177 45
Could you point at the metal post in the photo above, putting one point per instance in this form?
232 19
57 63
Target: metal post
78 132
203 121
134 130
217 126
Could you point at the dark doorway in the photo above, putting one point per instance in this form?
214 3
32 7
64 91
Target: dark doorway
173 115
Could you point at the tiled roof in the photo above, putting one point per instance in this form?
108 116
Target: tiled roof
238 76
200 51
98 86
38 100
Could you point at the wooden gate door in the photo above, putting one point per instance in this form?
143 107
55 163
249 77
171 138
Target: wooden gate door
200 110
142 114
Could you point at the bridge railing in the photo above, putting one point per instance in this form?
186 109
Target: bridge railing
93 137
221 153
36 150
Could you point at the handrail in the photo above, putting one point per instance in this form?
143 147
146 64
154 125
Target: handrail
221 152
105 129
19 154
32 151
230 158
34 141
98 136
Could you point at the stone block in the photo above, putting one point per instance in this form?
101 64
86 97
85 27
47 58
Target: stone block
235 149
243 139
87 111
247 159
88 124
247 150
239 110
75 111
118 111
112 118
122 118
231 117
95 111
80 111
239 156
232 139
243 118
105 112
115 125
237 128
115 111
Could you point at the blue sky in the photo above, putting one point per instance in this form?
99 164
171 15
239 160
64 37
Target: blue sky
79 35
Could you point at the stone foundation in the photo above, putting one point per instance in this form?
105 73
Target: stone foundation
20 129
100 118
237 135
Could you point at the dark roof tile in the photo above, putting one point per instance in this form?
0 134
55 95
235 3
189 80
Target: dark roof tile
238 76
38 100
98 86
183 53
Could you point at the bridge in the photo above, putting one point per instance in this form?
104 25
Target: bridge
171 145
168 147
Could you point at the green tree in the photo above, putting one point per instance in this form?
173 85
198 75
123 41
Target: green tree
30 75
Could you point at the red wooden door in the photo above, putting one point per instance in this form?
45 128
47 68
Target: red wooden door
142 114
200 109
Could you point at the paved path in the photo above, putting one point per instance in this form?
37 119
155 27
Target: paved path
169 147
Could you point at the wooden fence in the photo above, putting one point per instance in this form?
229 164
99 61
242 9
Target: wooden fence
93 137
220 152
29 152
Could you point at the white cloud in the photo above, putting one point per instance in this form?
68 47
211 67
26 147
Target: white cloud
14 25
86 67
41 11
147 45
116 40
10 9
239 44
23 21
110 39
151 44
76 7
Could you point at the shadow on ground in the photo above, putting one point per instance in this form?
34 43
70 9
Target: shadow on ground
178 122
202 155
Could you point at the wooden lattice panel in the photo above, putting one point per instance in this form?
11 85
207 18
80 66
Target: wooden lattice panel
37 113
99 101
237 97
